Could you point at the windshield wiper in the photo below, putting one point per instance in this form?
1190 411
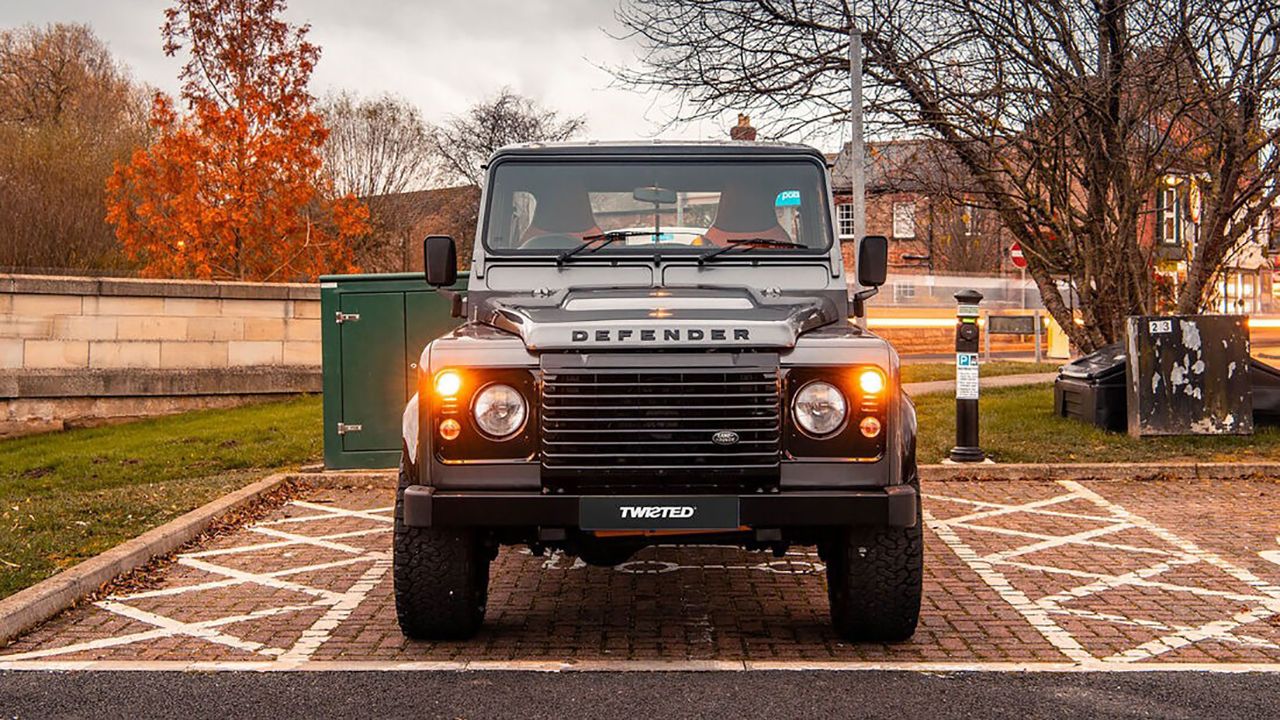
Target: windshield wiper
746 244
593 242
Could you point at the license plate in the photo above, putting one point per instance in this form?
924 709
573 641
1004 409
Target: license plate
658 513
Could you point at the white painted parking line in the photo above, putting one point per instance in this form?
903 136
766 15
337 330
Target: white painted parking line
283 543
308 540
372 514
1056 613
321 630
337 605
626 666
1035 615
192 629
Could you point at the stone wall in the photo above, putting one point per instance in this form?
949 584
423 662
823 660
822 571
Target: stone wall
84 350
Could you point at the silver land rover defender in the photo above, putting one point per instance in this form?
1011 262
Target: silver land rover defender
660 345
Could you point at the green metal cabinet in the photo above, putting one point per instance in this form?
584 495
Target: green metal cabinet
373 330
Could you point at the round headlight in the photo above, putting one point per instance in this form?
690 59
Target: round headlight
819 408
499 411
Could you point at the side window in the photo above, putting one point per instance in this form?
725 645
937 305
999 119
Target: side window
904 220
845 220
1170 205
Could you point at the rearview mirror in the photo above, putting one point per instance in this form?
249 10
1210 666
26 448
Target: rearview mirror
655 195
873 260
440 260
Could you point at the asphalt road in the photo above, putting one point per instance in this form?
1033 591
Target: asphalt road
628 696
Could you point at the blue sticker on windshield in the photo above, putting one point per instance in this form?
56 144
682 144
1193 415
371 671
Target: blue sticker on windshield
788 198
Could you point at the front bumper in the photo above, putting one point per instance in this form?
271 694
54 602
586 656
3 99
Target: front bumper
894 506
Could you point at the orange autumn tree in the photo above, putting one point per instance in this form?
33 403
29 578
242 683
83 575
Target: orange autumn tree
231 188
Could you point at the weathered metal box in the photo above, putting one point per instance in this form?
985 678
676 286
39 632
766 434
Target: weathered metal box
1188 375
373 328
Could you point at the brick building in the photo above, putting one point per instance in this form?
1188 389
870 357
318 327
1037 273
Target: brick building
1246 281
915 197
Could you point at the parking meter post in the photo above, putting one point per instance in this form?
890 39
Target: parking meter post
967 337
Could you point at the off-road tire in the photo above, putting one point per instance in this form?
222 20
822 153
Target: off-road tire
441 578
874 581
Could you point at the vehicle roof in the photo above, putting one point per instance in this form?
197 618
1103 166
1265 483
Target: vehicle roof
660 147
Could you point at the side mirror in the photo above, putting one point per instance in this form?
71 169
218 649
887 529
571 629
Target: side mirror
873 260
440 260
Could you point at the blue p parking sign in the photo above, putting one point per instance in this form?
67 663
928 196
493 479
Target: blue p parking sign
967 376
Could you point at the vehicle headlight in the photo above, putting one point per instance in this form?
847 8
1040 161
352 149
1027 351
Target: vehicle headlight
499 411
819 408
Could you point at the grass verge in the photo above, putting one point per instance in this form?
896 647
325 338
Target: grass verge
928 372
1017 425
68 496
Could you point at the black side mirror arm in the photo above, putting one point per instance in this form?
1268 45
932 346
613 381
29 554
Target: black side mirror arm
457 302
860 300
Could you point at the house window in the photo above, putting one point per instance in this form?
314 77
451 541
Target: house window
1169 203
904 220
844 220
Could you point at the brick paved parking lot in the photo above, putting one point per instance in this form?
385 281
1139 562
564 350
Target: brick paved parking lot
1110 574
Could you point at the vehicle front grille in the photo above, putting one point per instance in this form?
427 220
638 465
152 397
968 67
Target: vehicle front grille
626 428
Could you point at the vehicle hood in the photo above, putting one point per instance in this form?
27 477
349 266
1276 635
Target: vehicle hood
657 318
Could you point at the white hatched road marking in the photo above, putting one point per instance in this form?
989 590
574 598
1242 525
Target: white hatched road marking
1258 603
338 605
372 514
1271 555
1038 613
1037 616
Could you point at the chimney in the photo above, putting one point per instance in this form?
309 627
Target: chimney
743 130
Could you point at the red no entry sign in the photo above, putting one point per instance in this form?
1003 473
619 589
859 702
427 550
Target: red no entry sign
1015 255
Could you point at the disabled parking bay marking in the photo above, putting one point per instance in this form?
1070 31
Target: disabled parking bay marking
1020 576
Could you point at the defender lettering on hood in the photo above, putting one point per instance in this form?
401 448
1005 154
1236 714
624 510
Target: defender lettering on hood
674 335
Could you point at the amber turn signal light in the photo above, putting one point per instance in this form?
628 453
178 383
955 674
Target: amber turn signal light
448 383
871 381
869 426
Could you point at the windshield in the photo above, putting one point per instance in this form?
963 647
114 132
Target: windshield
668 207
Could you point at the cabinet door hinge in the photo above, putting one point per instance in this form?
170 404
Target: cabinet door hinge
347 317
344 428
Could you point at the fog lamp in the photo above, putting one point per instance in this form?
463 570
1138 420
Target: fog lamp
870 427
450 429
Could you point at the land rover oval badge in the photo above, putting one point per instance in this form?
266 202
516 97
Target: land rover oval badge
725 437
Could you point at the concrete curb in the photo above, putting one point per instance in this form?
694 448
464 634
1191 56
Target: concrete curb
27 608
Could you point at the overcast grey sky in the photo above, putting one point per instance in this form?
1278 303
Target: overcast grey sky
441 55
